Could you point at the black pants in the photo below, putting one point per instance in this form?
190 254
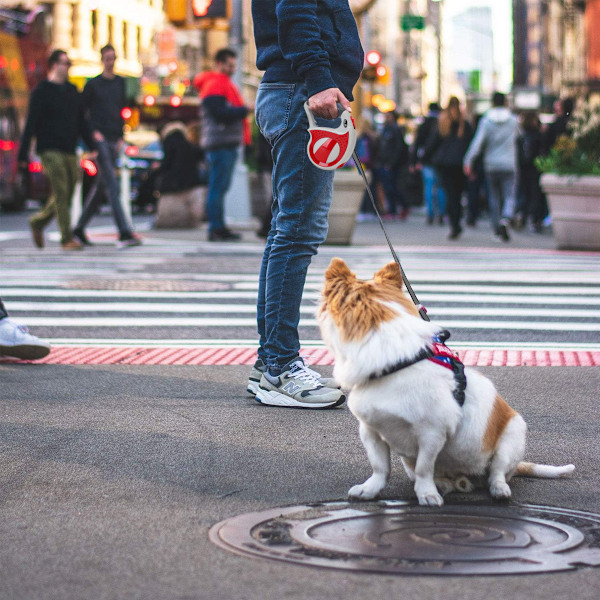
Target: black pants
533 199
453 182
3 312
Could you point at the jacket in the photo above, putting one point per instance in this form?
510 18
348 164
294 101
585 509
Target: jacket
314 42
56 118
496 140
223 113
424 134
178 170
448 151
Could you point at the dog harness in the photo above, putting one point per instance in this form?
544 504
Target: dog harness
439 354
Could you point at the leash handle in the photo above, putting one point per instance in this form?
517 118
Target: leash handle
422 310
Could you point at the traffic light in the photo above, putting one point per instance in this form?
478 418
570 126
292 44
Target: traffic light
383 75
372 60
210 9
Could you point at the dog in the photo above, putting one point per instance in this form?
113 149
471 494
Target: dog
372 328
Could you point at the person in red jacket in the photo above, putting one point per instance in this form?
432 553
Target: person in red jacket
224 129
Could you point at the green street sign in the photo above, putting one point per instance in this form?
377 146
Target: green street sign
408 22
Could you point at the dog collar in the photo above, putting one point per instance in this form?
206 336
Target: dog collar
439 354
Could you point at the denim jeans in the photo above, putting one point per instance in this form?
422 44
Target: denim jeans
432 188
107 163
222 162
501 196
301 199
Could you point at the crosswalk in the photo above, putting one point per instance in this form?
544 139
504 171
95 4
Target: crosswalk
179 294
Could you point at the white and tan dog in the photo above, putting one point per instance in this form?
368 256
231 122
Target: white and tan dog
370 326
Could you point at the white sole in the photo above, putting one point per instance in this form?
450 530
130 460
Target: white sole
273 398
252 387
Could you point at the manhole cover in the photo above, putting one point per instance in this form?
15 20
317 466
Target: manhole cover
146 285
396 537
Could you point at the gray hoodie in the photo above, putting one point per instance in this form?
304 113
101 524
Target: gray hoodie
495 139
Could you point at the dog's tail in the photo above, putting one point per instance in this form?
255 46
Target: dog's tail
527 469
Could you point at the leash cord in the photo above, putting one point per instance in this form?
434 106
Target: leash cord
420 307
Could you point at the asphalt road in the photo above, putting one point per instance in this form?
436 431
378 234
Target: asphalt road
111 476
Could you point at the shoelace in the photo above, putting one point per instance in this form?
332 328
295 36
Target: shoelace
305 375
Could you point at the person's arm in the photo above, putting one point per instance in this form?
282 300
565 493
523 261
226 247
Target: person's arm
475 147
84 126
222 111
33 116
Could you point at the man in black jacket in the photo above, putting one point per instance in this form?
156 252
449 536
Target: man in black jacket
56 118
104 99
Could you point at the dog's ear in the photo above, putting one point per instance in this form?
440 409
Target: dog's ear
389 274
338 269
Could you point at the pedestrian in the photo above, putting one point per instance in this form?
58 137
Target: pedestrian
224 129
529 147
433 192
393 159
104 99
560 126
16 341
477 196
446 150
496 140
313 55
367 149
181 199
56 118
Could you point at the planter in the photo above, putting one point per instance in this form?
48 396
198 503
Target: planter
348 190
574 203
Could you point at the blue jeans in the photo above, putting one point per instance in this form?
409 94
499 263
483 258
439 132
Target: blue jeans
432 188
501 196
221 162
301 199
107 163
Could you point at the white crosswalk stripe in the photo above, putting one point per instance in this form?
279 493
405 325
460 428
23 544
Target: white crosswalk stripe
503 297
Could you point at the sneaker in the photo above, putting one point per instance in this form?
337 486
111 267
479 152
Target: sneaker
129 241
260 367
15 340
297 387
503 231
80 235
38 236
71 245
223 235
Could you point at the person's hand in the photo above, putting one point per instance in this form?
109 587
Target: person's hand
468 171
120 144
98 136
324 104
92 155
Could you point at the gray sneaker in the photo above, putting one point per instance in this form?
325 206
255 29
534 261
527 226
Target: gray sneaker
297 387
260 367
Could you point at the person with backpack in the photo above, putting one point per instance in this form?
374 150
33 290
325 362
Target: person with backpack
446 149
433 192
529 147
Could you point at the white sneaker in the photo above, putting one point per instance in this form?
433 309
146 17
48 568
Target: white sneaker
260 367
296 386
15 340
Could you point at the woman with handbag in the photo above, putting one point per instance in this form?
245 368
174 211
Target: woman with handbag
446 150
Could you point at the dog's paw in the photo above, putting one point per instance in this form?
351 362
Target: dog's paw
361 492
500 490
431 499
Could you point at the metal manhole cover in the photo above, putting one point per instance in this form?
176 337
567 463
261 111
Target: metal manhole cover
147 285
396 537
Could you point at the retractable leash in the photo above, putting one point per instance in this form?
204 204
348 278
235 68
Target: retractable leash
329 149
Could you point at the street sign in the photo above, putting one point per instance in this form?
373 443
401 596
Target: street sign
408 22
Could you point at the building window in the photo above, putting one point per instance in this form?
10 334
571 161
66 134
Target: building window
111 32
95 29
75 26
138 41
125 41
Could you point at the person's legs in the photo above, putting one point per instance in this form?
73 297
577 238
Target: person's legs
508 185
302 197
449 183
428 176
494 198
91 205
16 341
107 161
62 171
222 162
